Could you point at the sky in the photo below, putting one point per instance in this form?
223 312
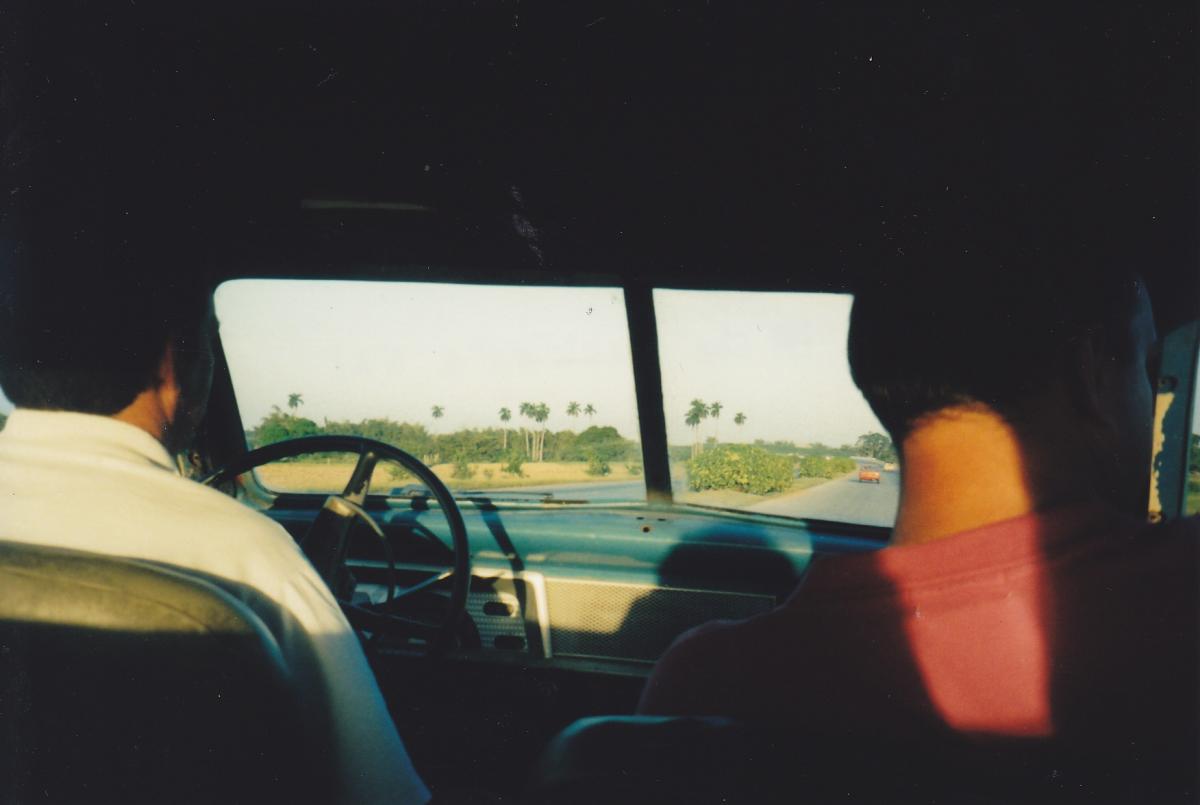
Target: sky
779 358
361 349
385 349
365 349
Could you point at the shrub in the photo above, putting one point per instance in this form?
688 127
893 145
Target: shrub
278 426
462 468
604 442
741 467
597 465
397 473
513 464
489 473
822 467
679 453
635 468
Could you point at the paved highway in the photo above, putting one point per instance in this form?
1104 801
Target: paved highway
842 500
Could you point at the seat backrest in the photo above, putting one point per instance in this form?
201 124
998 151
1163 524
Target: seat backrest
123 681
649 759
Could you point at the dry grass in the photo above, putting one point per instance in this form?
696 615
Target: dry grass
721 498
303 476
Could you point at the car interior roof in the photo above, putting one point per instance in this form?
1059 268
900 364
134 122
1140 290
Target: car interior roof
726 146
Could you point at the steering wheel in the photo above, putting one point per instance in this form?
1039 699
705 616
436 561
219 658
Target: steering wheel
326 542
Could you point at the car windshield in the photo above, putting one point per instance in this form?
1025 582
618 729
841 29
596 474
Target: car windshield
762 414
527 393
524 392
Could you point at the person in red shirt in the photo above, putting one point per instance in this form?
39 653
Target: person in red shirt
1023 594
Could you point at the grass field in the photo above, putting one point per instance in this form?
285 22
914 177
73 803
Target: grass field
303 476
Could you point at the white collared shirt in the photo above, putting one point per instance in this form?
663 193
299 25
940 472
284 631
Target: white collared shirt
92 483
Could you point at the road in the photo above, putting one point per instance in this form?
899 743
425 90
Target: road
841 500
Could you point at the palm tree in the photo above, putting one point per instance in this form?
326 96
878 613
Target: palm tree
437 411
714 411
739 419
590 410
526 409
573 409
295 400
697 412
505 416
540 413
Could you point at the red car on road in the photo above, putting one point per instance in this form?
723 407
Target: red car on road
868 475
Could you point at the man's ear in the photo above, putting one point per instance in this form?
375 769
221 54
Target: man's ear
168 383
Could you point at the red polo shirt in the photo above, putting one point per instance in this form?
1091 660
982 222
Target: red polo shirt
1056 624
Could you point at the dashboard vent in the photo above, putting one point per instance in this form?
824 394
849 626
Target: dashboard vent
634 621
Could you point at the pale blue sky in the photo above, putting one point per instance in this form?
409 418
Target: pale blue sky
780 358
361 349
357 349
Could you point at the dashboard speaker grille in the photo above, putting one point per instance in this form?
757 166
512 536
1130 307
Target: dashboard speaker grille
633 621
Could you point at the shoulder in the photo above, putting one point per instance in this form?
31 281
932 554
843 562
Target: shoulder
213 505
213 531
713 639
703 661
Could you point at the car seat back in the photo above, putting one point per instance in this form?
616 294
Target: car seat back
123 681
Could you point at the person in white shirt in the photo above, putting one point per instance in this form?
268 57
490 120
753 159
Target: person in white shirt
104 396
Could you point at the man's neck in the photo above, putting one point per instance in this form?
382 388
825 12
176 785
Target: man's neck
146 412
965 468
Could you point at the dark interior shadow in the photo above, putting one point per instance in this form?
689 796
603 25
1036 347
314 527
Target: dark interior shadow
491 518
719 558
761 683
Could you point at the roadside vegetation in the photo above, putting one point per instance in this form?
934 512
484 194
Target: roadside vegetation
765 468
743 468
530 440
523 450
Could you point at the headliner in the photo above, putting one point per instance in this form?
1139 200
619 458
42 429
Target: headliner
720 146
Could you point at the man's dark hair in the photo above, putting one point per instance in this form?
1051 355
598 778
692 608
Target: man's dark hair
981 330
93 344
106 194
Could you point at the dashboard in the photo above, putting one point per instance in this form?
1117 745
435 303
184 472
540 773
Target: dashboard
601 588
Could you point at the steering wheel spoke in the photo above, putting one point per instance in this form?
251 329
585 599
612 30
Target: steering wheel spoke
360 479
422 585
327 542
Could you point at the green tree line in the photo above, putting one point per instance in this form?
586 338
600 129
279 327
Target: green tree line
601 443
